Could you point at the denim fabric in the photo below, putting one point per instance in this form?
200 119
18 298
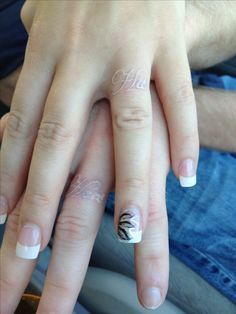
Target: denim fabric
202 220
213 80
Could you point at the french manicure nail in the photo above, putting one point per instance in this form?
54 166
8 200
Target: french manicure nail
129 227
187 173
3 218
28 244
3 209
151 298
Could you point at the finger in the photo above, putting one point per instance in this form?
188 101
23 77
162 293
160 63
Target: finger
152 254
22 125
3 122
27 14
65 115
3 204
15 273
132 125
174 86
79 221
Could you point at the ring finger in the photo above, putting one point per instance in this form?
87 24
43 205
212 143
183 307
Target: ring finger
132 129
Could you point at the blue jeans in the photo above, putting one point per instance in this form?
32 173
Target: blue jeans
202 220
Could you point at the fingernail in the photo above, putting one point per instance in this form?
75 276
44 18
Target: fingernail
187 173
28 244
3 209
129 227
151 298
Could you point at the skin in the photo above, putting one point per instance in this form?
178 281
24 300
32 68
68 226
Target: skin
43 131
77 226
8 281
79 221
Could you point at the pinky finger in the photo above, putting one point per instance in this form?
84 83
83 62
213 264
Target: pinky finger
3 215
180 110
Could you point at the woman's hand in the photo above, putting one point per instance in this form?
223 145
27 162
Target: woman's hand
92 175
79 52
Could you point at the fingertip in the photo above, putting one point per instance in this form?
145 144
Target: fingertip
151 297
187 173
28 244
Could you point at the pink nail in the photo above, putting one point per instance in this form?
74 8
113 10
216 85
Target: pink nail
187 173
28 244
3 209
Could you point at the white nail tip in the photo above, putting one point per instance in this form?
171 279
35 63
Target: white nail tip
188 182
27 252
136 238
3 218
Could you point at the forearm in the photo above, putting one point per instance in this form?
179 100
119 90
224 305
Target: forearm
210 31
216 118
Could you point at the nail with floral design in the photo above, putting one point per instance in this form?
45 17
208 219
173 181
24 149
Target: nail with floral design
129 226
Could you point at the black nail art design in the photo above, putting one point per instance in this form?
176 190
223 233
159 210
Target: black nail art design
128 228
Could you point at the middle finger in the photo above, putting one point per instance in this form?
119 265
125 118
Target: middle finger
79 221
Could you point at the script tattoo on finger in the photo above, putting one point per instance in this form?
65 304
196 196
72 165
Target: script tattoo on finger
129 80
82 187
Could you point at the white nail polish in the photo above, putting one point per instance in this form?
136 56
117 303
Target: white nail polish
129 227
136 238
27 252
3 218
188 182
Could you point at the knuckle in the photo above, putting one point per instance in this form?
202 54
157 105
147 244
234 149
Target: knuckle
17 127
53 134
157 214
74 36
157 194
72 229
134 183
183 94
34 200
59 287
132 118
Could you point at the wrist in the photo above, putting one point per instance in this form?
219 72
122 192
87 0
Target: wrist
210 32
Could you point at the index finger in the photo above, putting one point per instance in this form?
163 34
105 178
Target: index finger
60 131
